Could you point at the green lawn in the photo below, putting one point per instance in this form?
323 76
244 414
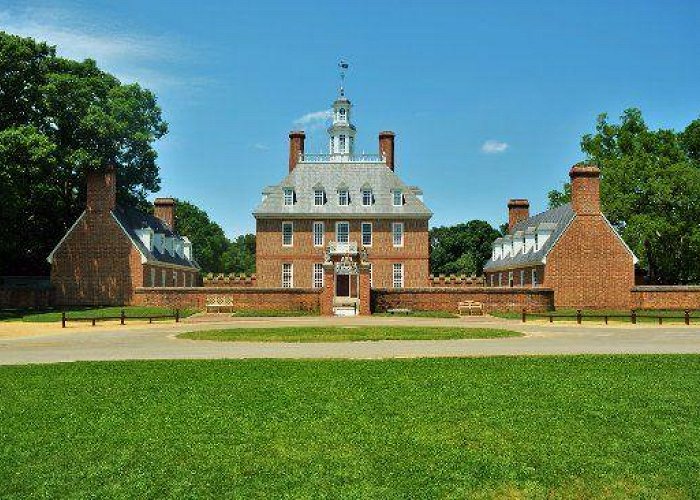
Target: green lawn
420 314
344 334
643 316
272 313
47 316
520 427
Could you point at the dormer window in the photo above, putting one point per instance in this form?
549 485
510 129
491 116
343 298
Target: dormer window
366 197
319 197
288 196
343 197
398 198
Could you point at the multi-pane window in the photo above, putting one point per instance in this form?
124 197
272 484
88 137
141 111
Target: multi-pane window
287 276
341 143
534 277
397 233
343 197
153 277
366 197
510 279
288 196
500 279
397 275
318 275
367 234
318 234
492 279
319 197
341 112
398 198
342 232
287 234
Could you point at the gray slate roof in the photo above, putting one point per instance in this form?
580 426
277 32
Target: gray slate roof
132 219
556 219
352 176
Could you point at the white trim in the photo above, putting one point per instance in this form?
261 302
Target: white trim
371 233
336 230
49 259
323 233
393 241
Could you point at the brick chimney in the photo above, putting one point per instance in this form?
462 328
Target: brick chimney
386 147
164 209
102 190
518 210
585 189
296 147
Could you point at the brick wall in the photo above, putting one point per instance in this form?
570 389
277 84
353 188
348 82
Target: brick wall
665 297
283 299
446 299
590 268
20 298
270 254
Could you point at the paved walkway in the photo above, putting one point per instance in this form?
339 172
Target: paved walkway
48 343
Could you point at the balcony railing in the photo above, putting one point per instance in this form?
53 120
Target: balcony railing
335 158
338 248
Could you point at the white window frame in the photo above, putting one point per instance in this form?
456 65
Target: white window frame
288 195
533 277
362 232
321 233
287 275
319 194
343 197
394 226
522 277
510 279
153 277
337 233
397 278
397 195
342 143
500 279
291 234
493 279
317 275
174 278
163 277
366 197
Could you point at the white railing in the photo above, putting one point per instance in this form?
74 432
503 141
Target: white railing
333 158
338 248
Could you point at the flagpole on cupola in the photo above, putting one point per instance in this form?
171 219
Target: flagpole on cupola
343 66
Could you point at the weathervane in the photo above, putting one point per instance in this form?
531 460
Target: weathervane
343 65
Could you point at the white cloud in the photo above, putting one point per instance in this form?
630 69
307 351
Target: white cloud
128 55
494 147
259 146
314 119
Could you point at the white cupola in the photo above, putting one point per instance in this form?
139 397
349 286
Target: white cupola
342 131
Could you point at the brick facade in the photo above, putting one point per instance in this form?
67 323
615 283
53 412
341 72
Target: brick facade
666 297
447 299
270 254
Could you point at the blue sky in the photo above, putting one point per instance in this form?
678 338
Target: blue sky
488 99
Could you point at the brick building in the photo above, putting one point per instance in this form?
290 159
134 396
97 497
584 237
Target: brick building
342 221
110 250
572 249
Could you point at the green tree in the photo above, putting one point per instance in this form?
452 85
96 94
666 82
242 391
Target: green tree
240 255
650 191
462 248
209 242
61 118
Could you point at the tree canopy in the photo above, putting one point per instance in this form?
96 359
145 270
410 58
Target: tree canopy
60 118
462 248
650 191
214 252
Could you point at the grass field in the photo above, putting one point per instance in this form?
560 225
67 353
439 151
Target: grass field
593 315
344 334
550 427
48 316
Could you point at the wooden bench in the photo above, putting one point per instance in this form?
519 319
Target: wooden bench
470 307
220 303
398 311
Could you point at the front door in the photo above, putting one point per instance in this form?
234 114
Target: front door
342 285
